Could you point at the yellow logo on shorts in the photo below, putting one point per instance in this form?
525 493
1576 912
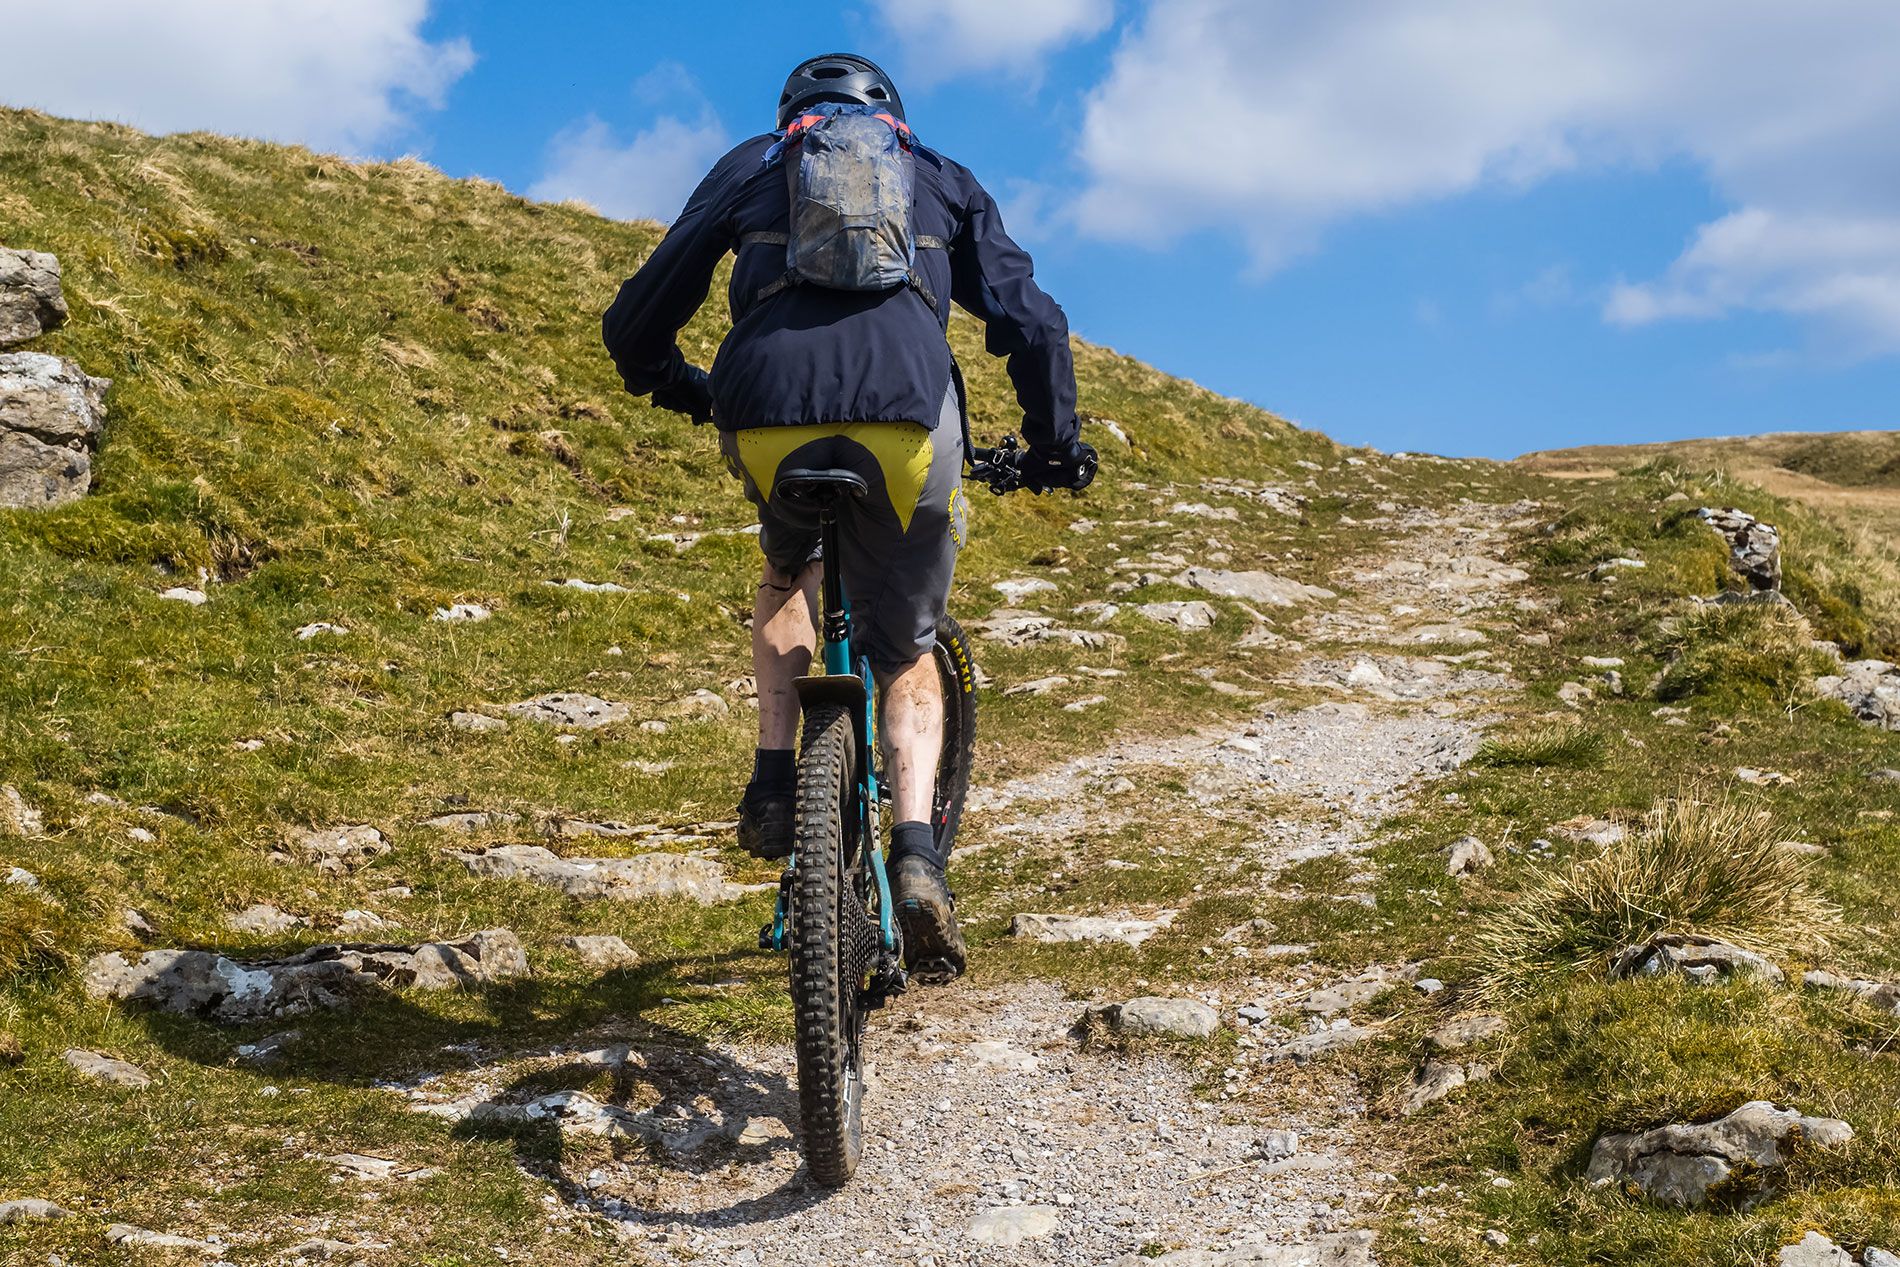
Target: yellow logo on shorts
959 509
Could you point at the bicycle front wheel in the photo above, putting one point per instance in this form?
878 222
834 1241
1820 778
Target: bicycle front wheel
833 943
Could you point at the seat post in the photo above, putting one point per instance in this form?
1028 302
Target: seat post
837 620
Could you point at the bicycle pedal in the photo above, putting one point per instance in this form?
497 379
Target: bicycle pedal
935 971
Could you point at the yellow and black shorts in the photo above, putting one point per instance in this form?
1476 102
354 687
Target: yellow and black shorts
899 543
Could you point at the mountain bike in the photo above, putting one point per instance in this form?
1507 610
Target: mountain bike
835 915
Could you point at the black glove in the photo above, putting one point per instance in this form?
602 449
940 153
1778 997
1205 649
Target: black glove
689 394
1069 465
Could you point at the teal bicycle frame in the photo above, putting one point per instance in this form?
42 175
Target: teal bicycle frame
846 681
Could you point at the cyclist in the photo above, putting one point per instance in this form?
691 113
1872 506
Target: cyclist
812 377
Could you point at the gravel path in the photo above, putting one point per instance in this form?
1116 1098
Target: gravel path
992 1135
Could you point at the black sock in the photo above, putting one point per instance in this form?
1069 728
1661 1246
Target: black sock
915 838
774 772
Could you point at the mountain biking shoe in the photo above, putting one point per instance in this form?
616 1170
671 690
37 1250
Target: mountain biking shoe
933 945
766 825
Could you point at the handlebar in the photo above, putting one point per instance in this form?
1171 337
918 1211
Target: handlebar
998 467
1001 467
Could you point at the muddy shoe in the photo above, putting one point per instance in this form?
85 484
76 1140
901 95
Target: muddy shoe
766 825
933 946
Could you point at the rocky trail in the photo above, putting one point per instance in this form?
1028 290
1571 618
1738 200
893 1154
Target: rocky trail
995 1132
1005 1122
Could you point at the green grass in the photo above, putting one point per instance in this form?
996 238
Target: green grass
1559 744
1696 867
1762 652
356 392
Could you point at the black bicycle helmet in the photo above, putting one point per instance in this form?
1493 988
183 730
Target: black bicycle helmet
837 77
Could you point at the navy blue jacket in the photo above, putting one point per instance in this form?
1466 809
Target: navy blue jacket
808 354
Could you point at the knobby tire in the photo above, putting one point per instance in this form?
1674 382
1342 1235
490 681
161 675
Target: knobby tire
824 1002
956 671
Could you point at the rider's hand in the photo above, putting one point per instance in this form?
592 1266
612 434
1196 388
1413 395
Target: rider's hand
1069 465
689 394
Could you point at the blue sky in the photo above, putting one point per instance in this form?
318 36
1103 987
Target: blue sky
1469 227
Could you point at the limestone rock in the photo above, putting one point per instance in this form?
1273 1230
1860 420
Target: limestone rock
1754 548
1882 995
1703 959
1184 616
269 1048
1869 688
1279 1145
1011 1225
1814 1250
341 848
602 953
648 875
51 416
1468 857
264 918
30 1209
701 705
1016 628
991 1054
207 984
1345 995
1041 686
31 301
477 723
476 821
1177 1018
1340 1249
1467 1030
1060 928
567 708
324 1248
35 475
1454 635
473 613
17 818
1019 588
51 399
106 1068
1677 1165
1436 1079
126 1234
1256 587
1309 1046
582 1114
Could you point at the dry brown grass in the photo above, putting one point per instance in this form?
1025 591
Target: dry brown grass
1703 866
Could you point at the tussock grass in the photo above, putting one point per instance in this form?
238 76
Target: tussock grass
1743 652
1558 744
1708 867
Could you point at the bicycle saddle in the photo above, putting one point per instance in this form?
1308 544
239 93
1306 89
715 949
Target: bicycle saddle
822 487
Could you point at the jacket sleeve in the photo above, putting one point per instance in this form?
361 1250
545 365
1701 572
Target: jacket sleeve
642 326
993 279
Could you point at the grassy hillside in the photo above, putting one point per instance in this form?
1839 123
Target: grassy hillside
1853 475
354 393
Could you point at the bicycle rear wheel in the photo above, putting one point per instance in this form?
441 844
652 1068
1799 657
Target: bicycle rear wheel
833 943
956 671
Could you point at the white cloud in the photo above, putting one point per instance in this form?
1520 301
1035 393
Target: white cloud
649 177
945 37
646 179
326 73
1275 118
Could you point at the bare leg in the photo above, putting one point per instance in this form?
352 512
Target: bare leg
913 736
784 634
